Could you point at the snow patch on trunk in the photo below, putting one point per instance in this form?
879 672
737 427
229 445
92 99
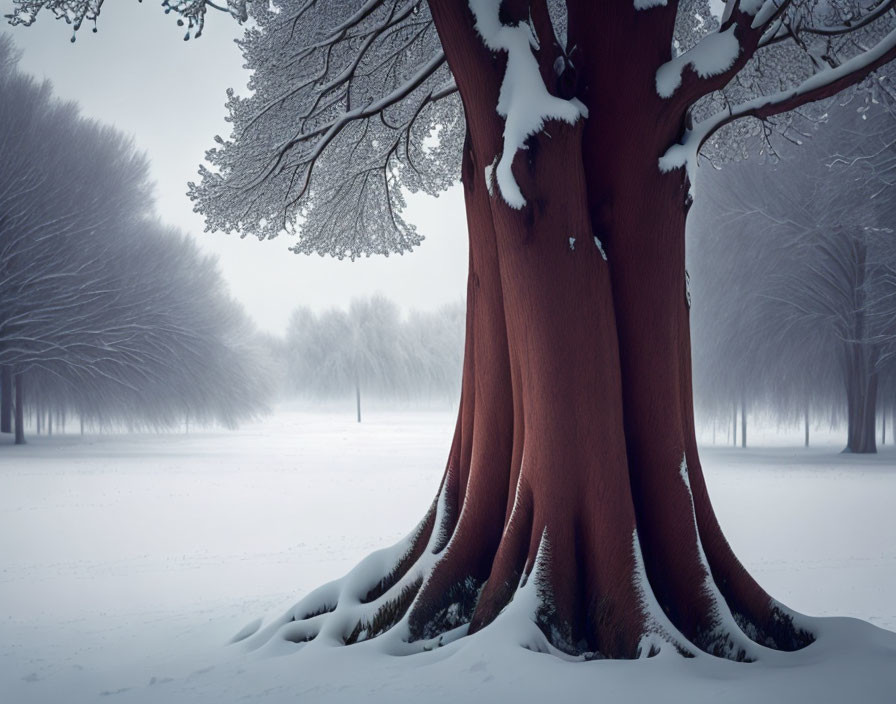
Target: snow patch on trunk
524 101
490 176
683 155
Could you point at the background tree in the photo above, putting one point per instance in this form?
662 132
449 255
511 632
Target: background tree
106 312
432 344
334 354
576 147
798 305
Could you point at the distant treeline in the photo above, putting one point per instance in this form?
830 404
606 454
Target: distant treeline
106 315
370 349
793 273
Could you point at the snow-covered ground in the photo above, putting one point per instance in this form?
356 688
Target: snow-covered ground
128 562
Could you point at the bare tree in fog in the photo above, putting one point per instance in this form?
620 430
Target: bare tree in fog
374 352
432 350
105 312
370 349
797 297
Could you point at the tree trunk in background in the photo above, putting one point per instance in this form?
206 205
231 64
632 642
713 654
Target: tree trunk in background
358 399
38 414
20 409
883 424
49 422
860 367
81 419
734 425
575 449
861 400
743 421
806 420
5 399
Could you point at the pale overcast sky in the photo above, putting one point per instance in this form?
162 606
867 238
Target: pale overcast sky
138 74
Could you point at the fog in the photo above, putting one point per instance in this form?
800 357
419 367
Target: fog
792 261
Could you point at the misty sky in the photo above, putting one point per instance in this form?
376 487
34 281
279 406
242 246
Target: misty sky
138 74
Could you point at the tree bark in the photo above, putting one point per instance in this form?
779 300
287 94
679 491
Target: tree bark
743 421
574 460
5 399
20 409
358 399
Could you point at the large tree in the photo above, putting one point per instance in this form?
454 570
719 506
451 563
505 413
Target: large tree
574 128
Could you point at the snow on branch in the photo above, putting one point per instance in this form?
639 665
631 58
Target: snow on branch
797 54
74 12
352 106
524 101
718 56
852 24
822 84
712 56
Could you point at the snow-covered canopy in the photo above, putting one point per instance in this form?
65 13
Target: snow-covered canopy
352 103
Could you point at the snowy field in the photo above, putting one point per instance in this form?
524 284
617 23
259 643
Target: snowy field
128 562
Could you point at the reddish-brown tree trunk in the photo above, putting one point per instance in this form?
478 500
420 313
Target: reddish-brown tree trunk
575 438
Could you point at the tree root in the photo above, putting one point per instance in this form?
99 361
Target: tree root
382 598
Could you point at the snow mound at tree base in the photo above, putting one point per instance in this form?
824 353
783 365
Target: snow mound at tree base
851 661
